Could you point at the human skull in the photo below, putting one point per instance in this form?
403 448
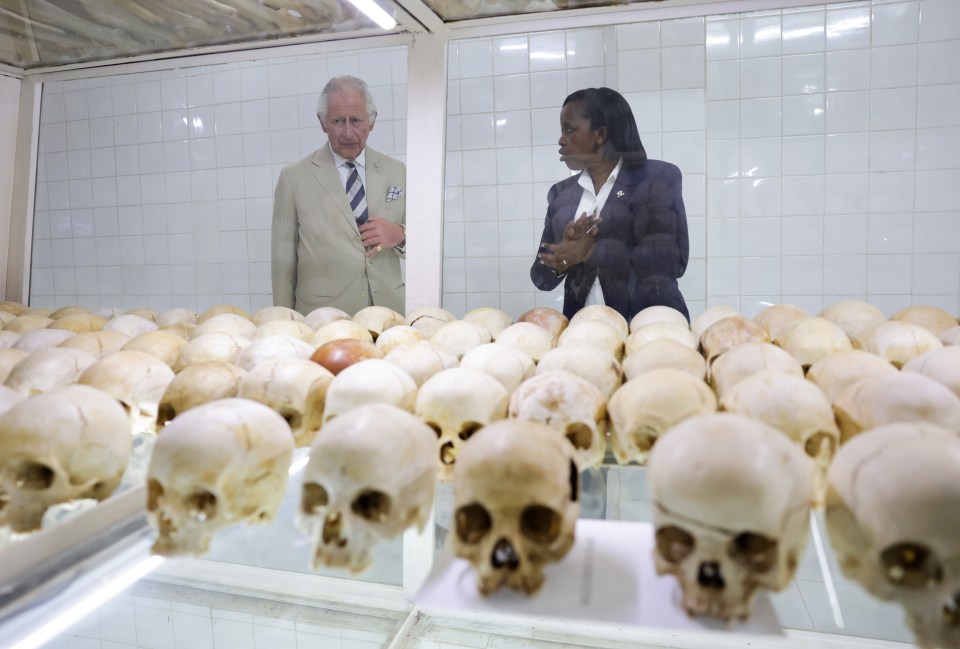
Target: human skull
69 310
163 344
271 347
293 328
137 380
594 332
892 516
373 380
38 339
370 476
658 313
220 309
507 364
931 318
599 368
516 503
897 341
8 360
532 339
294 387
950 337
221 463
215 346
550 319
48 369
338 329
132 325
146 314
774 318
324 315
428 319
853 316
70 443
9 398
275 313
942 365
97 343
569 404
225 323
377 319
8 338
737 523
456 403
795 407
810 339
605 314
834 373
26 323
79 322
177 316
898 397
399 335
664 353
421 360
748 359
730 332
660 331
645 407
459 337
196 385
491 319
714 314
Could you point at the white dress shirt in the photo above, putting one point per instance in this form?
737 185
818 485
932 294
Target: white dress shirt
344 170
592 203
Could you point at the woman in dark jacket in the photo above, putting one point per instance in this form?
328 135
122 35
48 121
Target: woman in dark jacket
616 233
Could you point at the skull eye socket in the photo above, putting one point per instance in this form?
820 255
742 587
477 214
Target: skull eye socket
201 505
540 524
371 505
313 497
435 428
755 552
580 436
911 565
574 482
644 439
674 544
33 476
468 429
473 523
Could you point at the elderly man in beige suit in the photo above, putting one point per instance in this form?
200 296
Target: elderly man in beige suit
339 214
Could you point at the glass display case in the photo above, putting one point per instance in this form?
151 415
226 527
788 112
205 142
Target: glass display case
90 581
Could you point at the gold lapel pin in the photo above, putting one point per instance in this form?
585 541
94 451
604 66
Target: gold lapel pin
620 194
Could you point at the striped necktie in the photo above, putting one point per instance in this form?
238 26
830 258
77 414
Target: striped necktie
356 196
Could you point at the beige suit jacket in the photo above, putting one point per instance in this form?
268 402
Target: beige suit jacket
317 256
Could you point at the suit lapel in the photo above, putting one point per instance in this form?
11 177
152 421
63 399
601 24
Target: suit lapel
325 172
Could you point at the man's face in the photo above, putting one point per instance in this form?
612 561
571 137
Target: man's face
579 143
347 123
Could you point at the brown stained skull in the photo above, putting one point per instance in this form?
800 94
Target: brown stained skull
516 503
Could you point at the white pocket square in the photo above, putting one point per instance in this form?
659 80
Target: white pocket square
394 193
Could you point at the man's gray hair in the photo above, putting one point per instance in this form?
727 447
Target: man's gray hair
345 82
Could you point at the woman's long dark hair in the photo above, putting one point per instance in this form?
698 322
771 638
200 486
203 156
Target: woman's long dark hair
605 107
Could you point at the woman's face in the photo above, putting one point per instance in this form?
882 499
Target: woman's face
579 142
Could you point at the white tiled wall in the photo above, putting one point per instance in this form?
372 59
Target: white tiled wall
155 189
818 147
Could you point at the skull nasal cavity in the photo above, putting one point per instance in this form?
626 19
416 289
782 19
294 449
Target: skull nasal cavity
448 453
504 556
709 575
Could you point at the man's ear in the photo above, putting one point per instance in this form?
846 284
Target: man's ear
322 125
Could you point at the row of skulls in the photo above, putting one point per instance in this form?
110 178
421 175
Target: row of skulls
732 491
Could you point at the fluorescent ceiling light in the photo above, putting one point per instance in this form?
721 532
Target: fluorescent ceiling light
375 13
